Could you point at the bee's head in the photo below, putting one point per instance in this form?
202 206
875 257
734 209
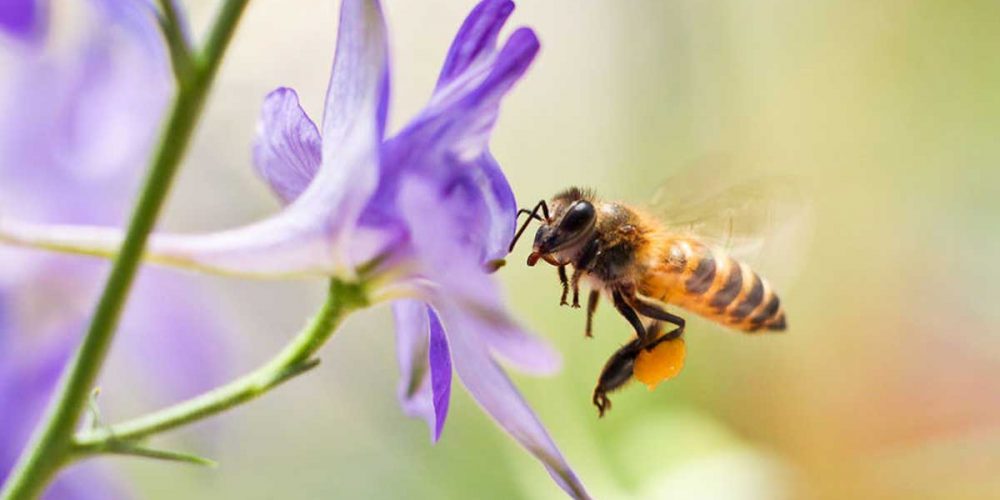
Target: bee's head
568 220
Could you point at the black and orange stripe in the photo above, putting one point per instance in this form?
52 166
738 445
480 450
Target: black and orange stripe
716 286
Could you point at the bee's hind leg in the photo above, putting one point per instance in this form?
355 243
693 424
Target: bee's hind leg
629 313
657 311
615 374
655 335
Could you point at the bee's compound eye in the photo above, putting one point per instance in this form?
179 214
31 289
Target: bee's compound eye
579 217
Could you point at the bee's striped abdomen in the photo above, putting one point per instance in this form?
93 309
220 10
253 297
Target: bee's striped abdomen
716 286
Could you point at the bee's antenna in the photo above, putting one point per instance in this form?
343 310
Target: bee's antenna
532 215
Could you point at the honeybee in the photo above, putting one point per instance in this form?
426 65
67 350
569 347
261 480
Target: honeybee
643 266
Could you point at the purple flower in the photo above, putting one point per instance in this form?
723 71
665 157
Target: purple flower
24 19
441 210
423 212
25 383
76 131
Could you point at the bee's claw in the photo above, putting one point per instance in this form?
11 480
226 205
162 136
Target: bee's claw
602 402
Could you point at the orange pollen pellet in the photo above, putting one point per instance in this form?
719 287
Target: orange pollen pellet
664 362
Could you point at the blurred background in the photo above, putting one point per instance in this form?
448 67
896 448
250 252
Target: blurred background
885 385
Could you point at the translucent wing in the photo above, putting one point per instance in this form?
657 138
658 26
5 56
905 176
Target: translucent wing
763 220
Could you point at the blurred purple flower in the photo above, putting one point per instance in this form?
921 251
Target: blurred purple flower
25 20
25 383
428 209
77 127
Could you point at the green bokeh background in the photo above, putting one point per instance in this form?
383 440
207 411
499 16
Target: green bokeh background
885 386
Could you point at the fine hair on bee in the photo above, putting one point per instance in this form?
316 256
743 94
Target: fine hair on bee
642 267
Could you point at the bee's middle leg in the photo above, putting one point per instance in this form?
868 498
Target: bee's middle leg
575 283
592 300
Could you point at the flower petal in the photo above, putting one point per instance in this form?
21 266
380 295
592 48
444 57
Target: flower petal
450 135
4 320
501 207
440 360
476 39
412 346
420 342
469 306
436 235
26 383
88 481
287 149
310 236
24 19
354 115
497 395
474 114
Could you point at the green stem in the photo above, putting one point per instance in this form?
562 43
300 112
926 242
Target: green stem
51 445
177 44
294 359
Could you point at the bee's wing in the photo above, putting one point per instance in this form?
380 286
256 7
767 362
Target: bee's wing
763 220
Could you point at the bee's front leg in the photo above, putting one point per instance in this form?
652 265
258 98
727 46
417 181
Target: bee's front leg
565 285
583 264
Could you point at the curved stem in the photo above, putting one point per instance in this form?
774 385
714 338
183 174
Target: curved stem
177 43
294 359
51 444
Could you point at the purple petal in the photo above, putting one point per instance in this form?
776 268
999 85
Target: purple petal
420 343
450 135
24 19
287 148
440 360
25 385
311 235
476 39
461 115
140 19
499 398
436 236
354 116
88 481
5 319
412 347
501 207
290 244
477 110
469 306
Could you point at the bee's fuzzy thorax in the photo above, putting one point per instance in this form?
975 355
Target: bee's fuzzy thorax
575 193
